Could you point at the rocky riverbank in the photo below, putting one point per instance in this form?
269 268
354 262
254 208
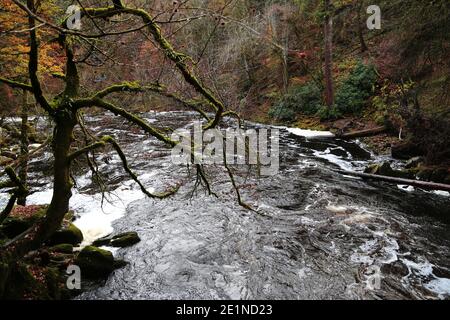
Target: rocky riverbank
45 273
389 143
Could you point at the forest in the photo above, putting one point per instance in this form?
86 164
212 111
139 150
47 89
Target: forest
135 161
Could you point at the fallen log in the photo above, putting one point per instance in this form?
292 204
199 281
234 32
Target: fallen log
362 133
415 183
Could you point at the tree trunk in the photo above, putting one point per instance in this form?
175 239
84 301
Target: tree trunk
415 183
24 142
59 206
360 29
328 35
363 133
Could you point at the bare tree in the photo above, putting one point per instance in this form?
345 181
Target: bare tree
65 111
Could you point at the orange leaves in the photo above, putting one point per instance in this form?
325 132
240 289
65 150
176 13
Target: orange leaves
25 211
14 46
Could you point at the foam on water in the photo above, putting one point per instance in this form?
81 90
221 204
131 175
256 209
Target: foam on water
424 269
95 217
311 134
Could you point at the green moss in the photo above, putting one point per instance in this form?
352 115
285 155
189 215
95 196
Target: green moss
69 234
95 262
121 240
22 285
15 225
62 248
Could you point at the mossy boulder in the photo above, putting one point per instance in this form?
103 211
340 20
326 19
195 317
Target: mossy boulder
439 175
62 248
121 240
68 234
424 173
414 162
30 282
12 227
21 219
95 262
125 240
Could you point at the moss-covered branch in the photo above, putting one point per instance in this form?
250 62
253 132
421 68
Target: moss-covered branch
155 88
20 190
234 184
15 84
87 149
9 206
133 176
176 57
135 120
34 61
129 87
15 180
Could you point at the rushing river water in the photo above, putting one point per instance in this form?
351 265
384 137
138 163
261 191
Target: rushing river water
317 234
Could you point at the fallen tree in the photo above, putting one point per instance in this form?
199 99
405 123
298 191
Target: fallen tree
415 183
363 133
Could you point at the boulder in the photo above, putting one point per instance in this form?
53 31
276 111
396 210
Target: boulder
414 162
95 262
21 219
5 160
9 154
69 234
13 226
125 240
22 283
119 264
121 240
406 150
439 175
385 169
424 174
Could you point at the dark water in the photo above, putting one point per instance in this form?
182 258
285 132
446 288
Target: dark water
317 234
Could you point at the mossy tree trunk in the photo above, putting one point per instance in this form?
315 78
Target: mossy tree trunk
59 206
64 111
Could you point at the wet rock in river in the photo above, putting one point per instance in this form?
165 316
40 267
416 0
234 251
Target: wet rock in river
121 240
97 263
414 162
67 234
385 169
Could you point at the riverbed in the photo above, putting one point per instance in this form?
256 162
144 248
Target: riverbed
316 234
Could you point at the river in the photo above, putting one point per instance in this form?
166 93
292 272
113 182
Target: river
317 234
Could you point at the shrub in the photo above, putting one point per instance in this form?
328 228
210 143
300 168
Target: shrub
352 95
304 99
282 112
326 113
